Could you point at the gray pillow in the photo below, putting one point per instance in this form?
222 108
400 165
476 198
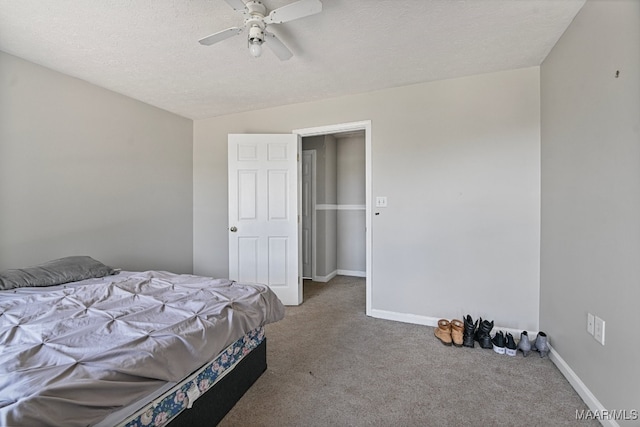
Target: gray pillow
56 272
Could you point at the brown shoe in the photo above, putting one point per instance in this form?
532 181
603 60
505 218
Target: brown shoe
443 332
457 332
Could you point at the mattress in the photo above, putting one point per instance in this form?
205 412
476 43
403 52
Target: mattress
72 354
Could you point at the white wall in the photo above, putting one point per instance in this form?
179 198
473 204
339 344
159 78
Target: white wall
459 161
591 199
87 171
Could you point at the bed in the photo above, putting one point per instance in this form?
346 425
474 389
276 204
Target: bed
122 348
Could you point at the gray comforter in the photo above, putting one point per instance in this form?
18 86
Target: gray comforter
72 353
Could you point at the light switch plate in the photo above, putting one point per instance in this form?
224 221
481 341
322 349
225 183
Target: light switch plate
381 202
590 323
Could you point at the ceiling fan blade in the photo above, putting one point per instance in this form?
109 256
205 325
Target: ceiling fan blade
292 11
277 46
220 35
237 5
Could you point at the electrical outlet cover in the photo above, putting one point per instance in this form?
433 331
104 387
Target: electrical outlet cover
599 330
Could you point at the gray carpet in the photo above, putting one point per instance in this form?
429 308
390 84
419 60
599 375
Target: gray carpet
330 365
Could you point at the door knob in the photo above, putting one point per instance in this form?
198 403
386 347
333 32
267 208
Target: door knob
233 229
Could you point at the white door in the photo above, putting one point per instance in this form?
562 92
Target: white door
263 213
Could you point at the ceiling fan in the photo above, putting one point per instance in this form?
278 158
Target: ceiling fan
256 20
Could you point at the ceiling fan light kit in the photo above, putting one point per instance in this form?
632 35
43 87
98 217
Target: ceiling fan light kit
255 48
256 20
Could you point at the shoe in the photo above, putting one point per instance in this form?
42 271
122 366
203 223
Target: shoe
469 332
498 343
443 332
510 345
524 345
482 334
541 344
457 332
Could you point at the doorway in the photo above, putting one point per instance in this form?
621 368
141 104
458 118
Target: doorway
335 182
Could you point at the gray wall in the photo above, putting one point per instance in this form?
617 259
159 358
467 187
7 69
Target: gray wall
340 227
351 242
326 194
327 220
87 171
459 161
591 198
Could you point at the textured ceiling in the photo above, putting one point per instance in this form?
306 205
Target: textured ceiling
149 50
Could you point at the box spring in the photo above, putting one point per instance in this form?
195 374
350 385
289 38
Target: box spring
219 384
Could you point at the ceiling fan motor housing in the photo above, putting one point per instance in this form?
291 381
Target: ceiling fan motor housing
255 12
255 7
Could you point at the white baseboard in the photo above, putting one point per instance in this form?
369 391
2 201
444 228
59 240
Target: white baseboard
405 317
592 402
324 279
352 273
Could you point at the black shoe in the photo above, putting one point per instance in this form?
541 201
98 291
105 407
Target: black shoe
469 331
510 345
498 343
482 334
